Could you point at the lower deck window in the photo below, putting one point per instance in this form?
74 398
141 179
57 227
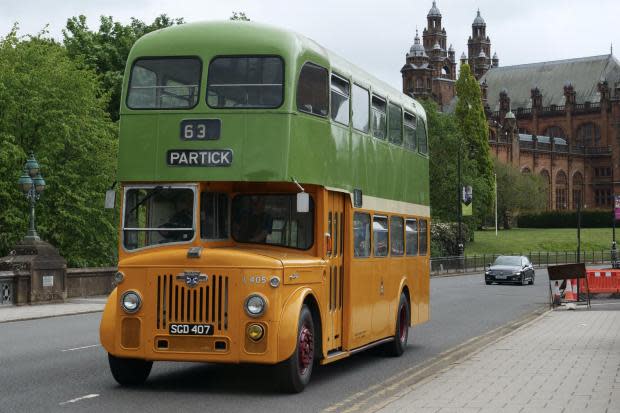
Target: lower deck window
361 234
157 215
380 236
272 219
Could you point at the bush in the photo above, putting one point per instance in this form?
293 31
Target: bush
566 219
444 238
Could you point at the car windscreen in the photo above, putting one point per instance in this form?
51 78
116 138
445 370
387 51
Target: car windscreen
245 82
157 215
164 83
272 219
514 261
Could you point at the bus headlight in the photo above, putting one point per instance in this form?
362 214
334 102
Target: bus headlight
131 302
255 305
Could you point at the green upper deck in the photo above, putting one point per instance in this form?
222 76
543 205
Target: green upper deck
267 144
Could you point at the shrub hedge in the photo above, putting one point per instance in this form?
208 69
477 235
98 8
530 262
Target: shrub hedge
444 236
598 218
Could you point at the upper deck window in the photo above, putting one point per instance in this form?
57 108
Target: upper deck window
245 82
340 100
312 95
395 123
410 131
166 83
379 117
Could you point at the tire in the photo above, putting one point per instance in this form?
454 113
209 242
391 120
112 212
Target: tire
488 282
403 316
295 372
129 372
532 279
523 282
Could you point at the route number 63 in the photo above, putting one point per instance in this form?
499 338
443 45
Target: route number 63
200 129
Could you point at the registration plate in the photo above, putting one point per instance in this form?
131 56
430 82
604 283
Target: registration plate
191 329
500 277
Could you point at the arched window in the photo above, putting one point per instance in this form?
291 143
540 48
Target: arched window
561 191
577 190
445 71
588 134
555 132
526 171
492 136
547 179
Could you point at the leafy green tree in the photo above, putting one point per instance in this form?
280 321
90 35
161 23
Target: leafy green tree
239 16
518 193
54 107
106 50
443 148
473 128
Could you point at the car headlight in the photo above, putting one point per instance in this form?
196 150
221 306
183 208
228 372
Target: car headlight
131 302
516 273
255 305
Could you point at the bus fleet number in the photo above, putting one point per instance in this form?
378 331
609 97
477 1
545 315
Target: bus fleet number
200 129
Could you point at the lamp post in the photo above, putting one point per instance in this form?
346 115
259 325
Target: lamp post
32 185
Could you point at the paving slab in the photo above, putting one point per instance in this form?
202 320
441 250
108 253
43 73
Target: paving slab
69 307
563 361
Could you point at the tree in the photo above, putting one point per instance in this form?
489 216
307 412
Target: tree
473 128
239 16
443 137
106 50
517 192
54 107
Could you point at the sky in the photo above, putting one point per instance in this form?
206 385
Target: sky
374 35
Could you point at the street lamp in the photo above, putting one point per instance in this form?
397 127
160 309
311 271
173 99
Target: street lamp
32 185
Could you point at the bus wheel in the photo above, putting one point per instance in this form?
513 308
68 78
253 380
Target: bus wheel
296 371
398 345
129 372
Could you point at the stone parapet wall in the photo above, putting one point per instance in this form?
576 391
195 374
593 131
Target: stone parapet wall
85 282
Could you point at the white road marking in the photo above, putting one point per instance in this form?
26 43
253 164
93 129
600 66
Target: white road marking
88 396
80 348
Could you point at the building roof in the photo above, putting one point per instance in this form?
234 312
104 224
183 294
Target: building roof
434 11
550 78
479 21
416 49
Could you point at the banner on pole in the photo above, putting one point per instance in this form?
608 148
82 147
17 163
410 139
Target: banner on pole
617 207
467 201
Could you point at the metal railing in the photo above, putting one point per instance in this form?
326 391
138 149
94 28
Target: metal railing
477 263
7 288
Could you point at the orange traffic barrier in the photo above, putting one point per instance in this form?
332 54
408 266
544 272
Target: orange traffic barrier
602 281
569 294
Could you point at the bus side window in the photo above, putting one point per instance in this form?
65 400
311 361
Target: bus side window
330 232
213 215
411 229
361 234
397 242
410 131
380 236
340 100
423 238
312 90
379 117
422 137
361 108
395 122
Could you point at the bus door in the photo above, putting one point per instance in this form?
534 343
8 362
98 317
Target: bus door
335 274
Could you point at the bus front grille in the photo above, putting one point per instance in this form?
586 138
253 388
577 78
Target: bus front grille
206 303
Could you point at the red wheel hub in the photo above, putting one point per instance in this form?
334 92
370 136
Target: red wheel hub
305 349
403 324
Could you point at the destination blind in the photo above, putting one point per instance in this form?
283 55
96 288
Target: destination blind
203 158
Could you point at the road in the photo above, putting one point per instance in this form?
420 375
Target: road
56 364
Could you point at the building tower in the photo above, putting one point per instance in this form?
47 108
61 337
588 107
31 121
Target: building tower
479 49
430 68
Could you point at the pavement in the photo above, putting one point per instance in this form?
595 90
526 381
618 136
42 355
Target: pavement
563 361
69 307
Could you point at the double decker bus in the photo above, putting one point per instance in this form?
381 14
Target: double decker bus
275 206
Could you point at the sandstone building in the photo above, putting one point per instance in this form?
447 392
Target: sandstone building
559 120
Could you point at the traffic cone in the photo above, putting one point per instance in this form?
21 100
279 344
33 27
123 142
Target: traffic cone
556 294
569 294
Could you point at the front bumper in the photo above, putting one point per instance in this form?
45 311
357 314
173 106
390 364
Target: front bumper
503 278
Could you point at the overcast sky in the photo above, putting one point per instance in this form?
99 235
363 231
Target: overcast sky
372 34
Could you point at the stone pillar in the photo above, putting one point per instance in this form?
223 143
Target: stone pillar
40 273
